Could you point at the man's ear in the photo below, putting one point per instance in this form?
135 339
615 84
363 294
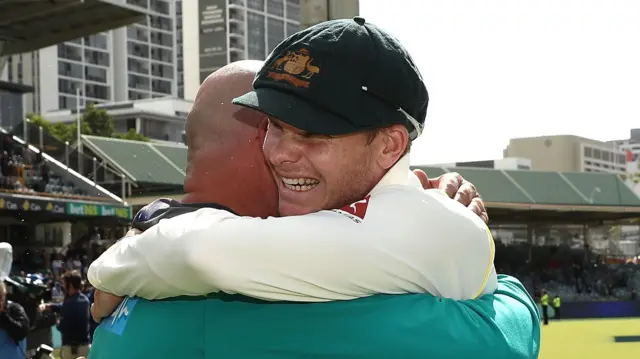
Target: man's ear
262 129
394 141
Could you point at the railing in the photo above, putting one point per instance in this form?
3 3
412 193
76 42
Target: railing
57 154
55 195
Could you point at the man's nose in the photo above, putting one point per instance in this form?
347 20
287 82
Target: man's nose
287 148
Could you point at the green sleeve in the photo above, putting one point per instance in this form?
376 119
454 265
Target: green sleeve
503 325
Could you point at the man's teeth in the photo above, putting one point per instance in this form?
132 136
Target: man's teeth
300 184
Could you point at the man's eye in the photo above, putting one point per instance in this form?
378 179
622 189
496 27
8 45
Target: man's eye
317 136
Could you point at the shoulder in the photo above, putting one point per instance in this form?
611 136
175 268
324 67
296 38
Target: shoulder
15 308
78 299
424 208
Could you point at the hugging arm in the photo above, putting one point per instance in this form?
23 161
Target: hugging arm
504 325
304 258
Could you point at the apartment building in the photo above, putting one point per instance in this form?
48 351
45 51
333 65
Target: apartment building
568 153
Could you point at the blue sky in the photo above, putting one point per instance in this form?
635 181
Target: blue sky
498 69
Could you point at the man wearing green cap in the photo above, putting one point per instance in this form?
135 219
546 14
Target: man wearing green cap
299 151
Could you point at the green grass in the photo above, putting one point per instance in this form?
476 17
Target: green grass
589 339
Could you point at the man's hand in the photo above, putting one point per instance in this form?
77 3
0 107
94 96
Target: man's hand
104 303
456 187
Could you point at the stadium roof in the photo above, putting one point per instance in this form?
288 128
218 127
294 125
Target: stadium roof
142 162
514 195
28 25
546 188
511 194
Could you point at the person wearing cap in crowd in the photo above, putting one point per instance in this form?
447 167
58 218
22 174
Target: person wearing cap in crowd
287 272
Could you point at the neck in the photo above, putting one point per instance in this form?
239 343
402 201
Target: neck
243 204
202 197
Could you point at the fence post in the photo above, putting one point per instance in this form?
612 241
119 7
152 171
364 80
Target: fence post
66 153
95 171
123 189
41 133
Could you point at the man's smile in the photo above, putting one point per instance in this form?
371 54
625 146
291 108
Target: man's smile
300 184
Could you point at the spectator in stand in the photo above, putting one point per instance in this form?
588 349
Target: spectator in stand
57 292
56 265
27 155
74 323
14 326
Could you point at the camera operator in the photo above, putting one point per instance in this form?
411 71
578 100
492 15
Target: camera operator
74 318
14 326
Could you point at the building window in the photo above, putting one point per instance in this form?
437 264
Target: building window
136 95
275 33
140 3
255 41
161 70
97 91
138 33
98 41
160 23
597 154
623 158
256 4
161 86
136 49
160 54
68 86
138 82
588 152
160 6
96 57
138 66
69 69
70 52
293 10
67 102
96 74
275 7
162 38
292 28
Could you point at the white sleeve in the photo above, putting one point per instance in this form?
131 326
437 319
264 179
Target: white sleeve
410 241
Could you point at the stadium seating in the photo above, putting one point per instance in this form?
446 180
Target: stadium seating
24 171
575 274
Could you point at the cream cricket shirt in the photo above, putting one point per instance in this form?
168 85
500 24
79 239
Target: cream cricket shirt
399 239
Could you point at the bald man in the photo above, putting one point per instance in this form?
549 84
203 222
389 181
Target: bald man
225 326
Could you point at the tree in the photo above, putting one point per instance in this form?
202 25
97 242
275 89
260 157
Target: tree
63 132
39 121
98 120
132 135
94 121
72 129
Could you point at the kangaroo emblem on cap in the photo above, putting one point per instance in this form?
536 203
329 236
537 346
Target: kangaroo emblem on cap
294 67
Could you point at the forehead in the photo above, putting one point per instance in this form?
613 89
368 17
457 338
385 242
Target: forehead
335 138
286 126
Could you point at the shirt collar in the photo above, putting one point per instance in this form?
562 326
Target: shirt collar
400 174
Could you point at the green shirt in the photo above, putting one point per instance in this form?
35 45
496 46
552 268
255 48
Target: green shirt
504 325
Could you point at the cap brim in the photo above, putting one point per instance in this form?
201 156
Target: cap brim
296 112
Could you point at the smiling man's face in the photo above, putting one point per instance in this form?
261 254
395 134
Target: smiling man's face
315 172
